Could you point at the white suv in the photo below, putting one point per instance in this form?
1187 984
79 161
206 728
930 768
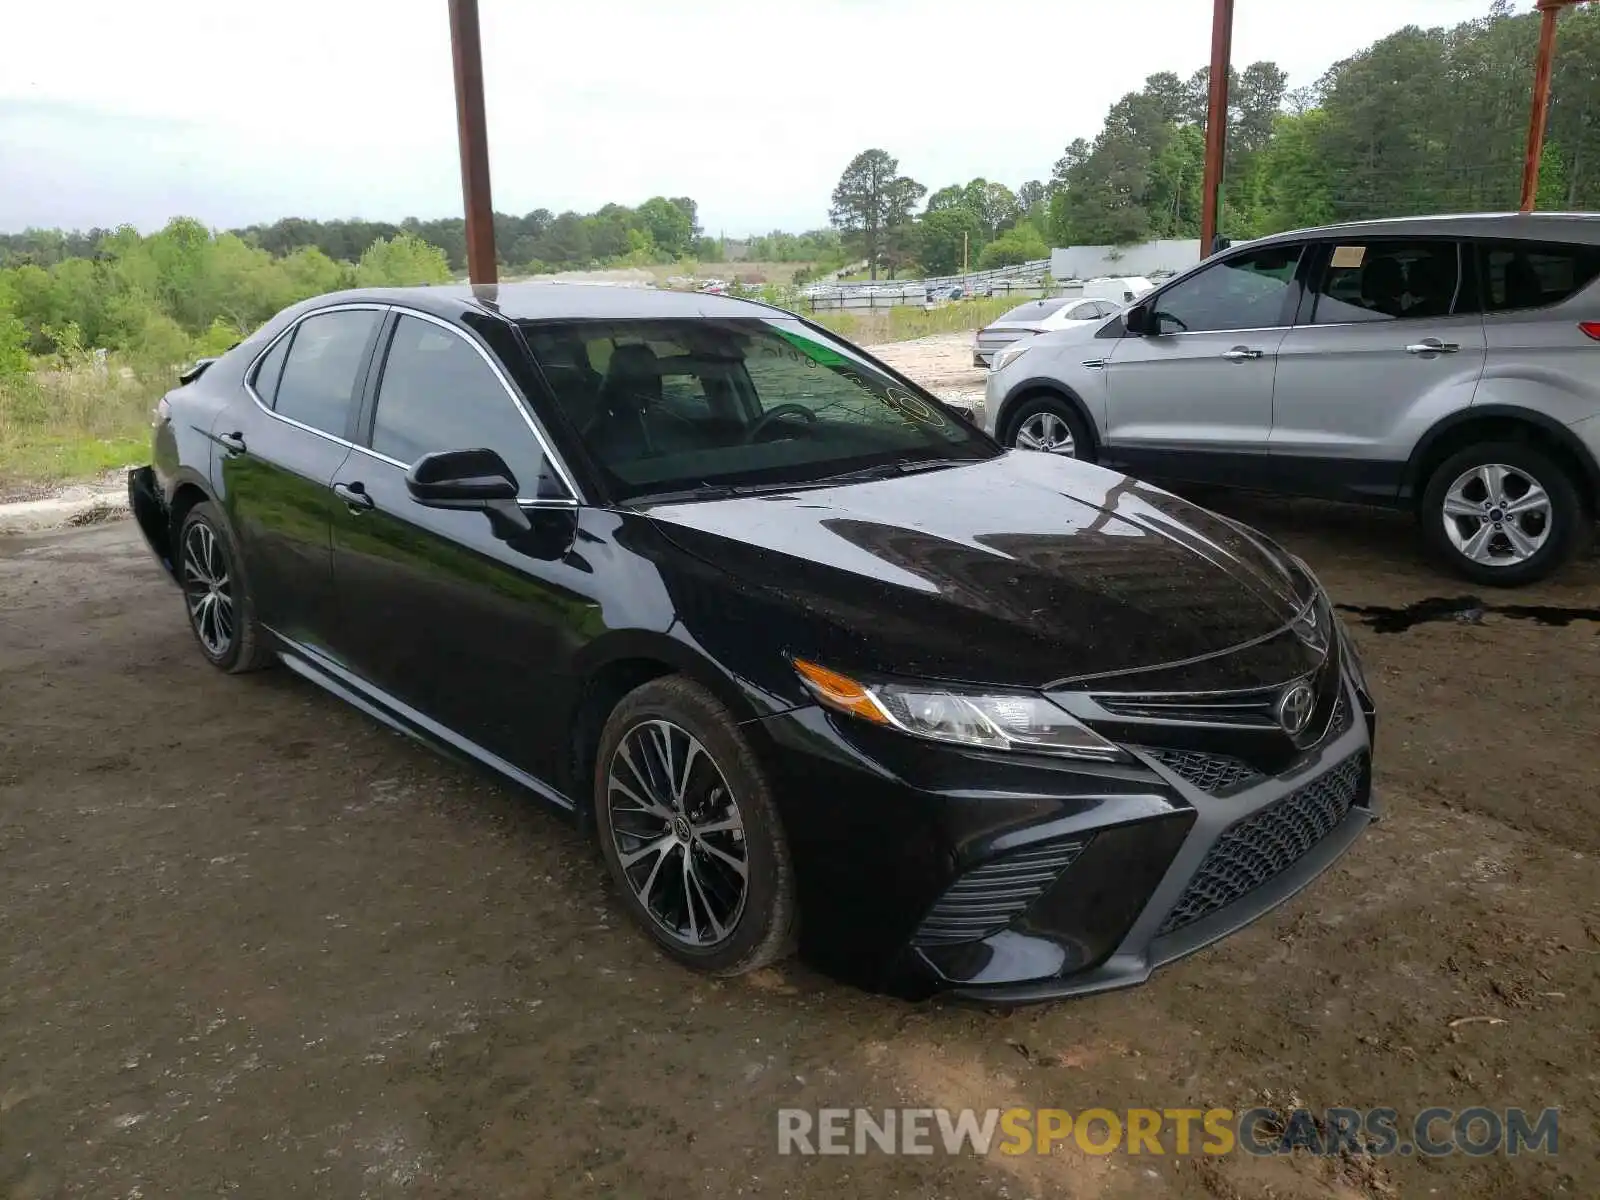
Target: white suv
1450 364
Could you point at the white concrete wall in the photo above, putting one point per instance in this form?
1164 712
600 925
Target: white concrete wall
1087 262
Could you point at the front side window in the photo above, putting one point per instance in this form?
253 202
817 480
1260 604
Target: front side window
1246 292
680 405
437 393
1386 281
318 384
1520 275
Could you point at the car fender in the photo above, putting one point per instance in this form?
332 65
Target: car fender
1044 383
1561 434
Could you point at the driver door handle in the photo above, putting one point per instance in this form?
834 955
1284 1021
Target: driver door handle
1241 354
354 495
1432 346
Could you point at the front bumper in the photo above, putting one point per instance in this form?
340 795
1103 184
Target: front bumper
915 860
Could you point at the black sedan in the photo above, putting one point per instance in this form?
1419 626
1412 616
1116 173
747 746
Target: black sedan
813 659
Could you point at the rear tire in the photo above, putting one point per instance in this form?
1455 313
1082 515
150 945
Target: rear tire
216 595
1504 514
1051 425
690 832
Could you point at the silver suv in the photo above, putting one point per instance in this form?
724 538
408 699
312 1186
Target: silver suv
1447 364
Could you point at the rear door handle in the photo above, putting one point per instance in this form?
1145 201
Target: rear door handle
1241 354
354 495
1432 346
233 443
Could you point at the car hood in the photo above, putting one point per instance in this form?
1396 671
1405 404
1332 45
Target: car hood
1026 569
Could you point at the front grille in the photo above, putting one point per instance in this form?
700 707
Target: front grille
1208 772
1256 709
1261 847
989 897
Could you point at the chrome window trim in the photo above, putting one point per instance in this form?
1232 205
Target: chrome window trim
572 500
250 368
1200 332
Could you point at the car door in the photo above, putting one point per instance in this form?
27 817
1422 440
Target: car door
1388 341
277 449
440 611
1192 398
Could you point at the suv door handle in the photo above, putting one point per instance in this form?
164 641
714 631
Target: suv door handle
354 495
1432 346
233 443
1241 354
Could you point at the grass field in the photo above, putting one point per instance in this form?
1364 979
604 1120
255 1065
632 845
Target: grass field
59 425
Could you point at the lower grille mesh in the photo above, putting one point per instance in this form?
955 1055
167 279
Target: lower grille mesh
1261 847
989 897
1208 772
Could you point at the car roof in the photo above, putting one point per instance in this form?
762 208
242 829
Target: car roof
552 301
1542 226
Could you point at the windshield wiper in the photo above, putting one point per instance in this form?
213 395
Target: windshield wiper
716 491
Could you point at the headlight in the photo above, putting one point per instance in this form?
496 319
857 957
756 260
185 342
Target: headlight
1008 356
994 720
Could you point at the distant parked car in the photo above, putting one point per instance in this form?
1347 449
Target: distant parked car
1449 365
1036 316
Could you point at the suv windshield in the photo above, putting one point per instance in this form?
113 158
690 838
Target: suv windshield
677 405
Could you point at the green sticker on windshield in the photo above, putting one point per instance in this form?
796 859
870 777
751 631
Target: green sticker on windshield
815 351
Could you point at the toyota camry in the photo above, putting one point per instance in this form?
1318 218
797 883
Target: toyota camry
813 660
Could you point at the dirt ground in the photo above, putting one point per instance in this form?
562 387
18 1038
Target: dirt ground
257 945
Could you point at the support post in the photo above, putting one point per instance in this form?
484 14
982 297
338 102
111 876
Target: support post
473 135
1216 122
1543 64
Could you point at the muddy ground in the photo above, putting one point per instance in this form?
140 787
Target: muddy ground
256 945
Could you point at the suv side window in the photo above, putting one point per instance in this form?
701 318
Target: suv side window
318 384
1386 281
1248 291
437 393
1518 275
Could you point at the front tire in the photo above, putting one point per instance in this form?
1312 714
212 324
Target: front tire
1050 425
216 594
1503 514
689 830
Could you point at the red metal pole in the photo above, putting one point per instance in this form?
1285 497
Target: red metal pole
473 133
1216 122
1541 103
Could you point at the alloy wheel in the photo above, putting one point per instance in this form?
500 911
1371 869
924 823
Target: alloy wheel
1497 515
678 834
1046 432
207 589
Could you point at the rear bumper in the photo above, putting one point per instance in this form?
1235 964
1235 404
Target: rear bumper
150 512
885 831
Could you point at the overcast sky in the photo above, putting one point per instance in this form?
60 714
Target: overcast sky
237 113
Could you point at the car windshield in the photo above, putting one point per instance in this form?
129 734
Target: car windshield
696 405
1035 310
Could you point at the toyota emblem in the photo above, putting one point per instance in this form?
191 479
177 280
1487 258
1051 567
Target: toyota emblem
1295 707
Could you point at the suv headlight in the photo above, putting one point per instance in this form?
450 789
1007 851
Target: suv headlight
1009 355
992 720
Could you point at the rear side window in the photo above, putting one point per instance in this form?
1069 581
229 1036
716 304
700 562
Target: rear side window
1518 275
270 368
1387 281
317 387
437 393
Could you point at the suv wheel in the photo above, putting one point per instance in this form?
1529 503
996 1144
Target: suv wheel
1503 513
1050 425
689 830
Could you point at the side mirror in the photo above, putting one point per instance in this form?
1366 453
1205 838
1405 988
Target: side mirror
1137 320
469 479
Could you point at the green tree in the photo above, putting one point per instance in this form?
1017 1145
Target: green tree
944 236
401 261
870 198
1015 246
